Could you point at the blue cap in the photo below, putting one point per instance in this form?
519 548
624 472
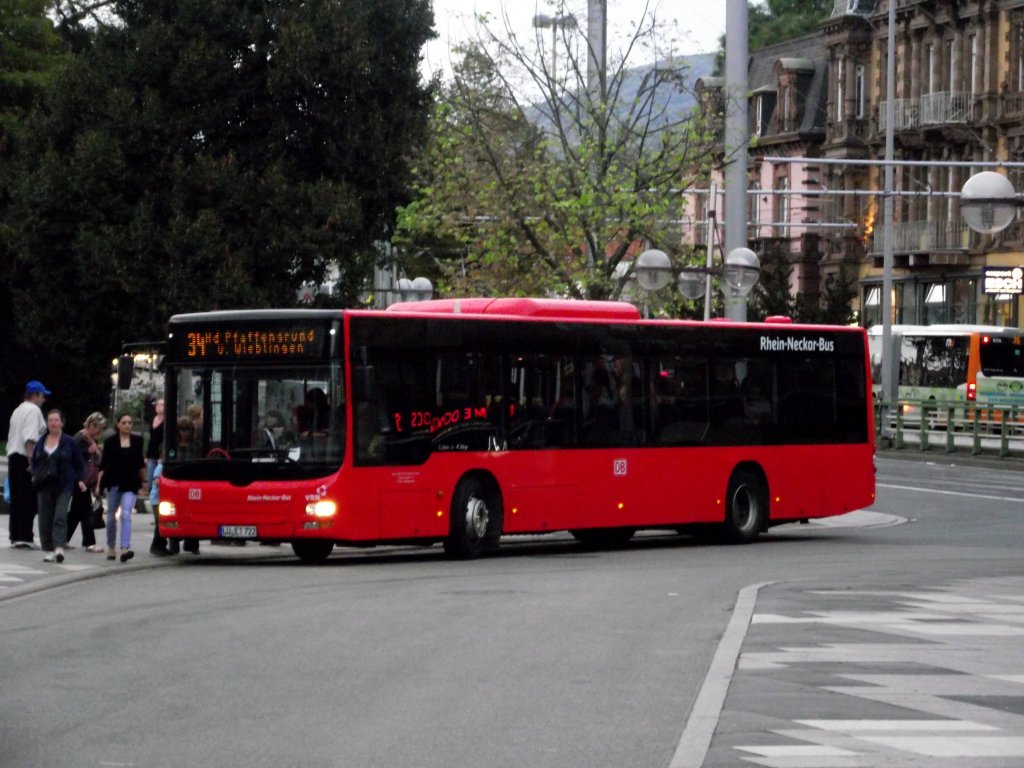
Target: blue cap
36 388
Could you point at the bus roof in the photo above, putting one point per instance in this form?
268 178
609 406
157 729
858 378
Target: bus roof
943 329
568 309
227 315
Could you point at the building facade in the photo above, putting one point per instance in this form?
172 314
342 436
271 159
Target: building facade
958 102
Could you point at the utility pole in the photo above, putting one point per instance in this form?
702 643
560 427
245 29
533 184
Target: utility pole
889 370
597 44
737 137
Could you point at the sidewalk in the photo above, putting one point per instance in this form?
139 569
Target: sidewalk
23 572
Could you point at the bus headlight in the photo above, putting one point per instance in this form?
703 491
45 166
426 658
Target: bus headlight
322 508
166 509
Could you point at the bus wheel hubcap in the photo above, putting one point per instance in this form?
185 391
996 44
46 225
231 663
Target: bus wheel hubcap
477 517
744 507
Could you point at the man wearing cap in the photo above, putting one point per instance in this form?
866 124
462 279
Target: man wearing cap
27 424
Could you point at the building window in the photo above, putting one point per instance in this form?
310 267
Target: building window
755 209
972 85
840 75
951 73
872 306
935 303
858 91
1018 56
782 203
930 58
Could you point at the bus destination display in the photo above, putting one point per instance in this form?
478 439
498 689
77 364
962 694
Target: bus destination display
242 343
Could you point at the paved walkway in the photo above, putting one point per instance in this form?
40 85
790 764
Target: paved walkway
833 677
23 572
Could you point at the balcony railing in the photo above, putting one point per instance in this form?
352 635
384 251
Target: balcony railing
1013 105
917 236
945 108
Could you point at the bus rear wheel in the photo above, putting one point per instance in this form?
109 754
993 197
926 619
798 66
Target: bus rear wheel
475 520
312 551
746 507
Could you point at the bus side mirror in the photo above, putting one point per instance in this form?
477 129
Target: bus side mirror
125 370
364 383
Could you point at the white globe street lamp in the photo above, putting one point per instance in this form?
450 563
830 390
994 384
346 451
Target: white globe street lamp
691 283
419 289
653 270
988 202
741 270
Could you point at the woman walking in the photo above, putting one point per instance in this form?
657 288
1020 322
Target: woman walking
122 475
57 468
81 502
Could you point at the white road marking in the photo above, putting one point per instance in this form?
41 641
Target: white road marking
948 691
850 726
951 493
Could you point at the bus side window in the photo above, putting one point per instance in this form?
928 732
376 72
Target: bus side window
758 400
727 414
680 403
541 411
463 421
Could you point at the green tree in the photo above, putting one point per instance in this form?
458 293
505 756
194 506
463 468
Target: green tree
837 302
214 154
30 54
543 182
772 294
775 21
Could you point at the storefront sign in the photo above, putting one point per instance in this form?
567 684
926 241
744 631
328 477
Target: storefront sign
999 280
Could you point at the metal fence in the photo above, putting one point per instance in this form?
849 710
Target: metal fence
953 427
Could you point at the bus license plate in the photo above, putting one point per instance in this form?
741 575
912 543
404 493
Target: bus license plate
237 531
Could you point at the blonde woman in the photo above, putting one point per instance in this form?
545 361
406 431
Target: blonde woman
87 440
122 475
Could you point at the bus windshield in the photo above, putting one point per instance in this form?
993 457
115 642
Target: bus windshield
248 423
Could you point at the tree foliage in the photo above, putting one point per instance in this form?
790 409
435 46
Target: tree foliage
773 295
31 52
204 154
775 21
539 181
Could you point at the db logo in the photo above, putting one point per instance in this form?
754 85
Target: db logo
619 467
195 494
321 490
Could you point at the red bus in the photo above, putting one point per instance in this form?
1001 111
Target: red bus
458 421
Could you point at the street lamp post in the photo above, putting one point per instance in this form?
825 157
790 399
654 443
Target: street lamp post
738 275
561 21
737 137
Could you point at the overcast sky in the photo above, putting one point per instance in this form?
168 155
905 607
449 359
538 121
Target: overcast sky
700 22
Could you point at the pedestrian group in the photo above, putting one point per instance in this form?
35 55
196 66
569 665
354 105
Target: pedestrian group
62 479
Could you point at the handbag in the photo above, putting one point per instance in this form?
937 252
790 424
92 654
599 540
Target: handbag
96 517
46 472
92 473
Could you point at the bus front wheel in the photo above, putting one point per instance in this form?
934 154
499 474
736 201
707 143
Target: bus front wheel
312 551
746 507
475 520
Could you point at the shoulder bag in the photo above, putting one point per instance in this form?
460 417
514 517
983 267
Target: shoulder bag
46 471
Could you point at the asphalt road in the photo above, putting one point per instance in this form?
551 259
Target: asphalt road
545 655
